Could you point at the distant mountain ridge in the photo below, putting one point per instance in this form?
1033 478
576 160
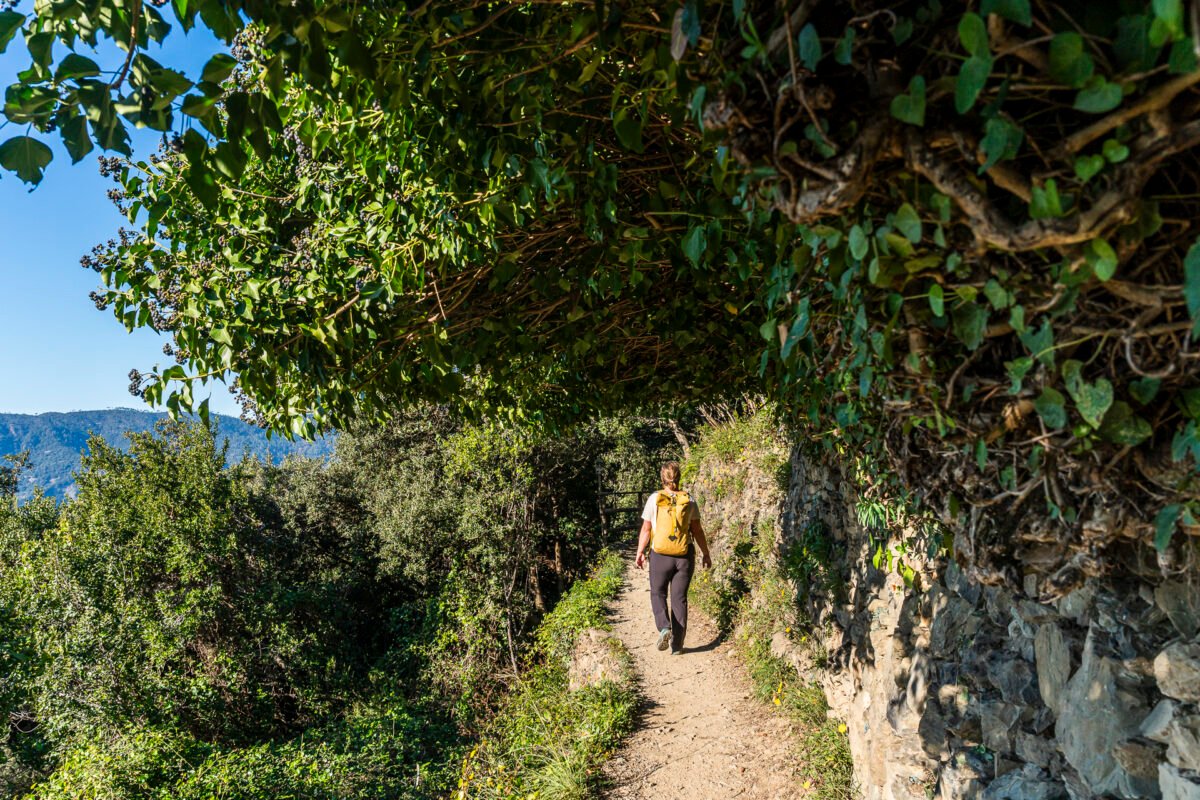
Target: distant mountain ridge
55 439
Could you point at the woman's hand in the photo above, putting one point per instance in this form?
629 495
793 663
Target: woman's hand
706 561
641 560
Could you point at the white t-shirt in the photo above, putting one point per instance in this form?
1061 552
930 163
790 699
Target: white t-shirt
650 512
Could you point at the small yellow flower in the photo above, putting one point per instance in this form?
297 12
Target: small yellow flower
842 728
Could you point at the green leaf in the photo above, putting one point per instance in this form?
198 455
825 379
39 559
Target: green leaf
970 323
230 160
76 66
685 30
1086 167
1181 61
899 245
1114 151
843 51
1045 203
1102 258
110 134
1168 16
1001 141
1144 389
1164 525
1017 11
200 180
1098 97
910 107
1185 442
694 244
1040 343
1051 407
628 128
970 82
937 300
41 47
864 381
506 268
1191 284
75 138
691 21
972 33
809 47
1131 44
996 294
797 331
1122 426
25 156
218 68
10 23
908 223
1069 64
859 245
1092 399
1016 318
1189 402
1017 369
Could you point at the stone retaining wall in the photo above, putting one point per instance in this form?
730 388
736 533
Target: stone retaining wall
957 690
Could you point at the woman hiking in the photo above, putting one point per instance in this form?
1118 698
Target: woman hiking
671 528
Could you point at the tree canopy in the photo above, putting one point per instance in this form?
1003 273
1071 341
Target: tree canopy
959 236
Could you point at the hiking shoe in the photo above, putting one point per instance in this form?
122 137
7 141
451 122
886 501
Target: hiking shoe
675 652
664 638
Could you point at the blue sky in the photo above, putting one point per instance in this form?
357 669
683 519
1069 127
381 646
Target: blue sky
57 352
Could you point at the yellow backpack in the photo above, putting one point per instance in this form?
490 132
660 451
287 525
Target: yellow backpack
673 524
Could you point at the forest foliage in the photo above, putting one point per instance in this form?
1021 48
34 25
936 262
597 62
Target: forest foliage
188 628
958 236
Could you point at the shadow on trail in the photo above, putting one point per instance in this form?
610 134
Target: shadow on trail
704 648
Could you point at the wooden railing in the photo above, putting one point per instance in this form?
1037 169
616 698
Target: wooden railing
621 509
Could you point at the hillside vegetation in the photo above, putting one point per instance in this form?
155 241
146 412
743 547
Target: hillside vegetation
188 628
55 441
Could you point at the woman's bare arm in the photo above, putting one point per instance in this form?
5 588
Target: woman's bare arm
643 543
698 534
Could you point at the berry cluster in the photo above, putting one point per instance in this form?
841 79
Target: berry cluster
137 382
110 166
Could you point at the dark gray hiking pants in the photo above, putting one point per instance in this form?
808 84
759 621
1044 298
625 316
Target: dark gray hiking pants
672 573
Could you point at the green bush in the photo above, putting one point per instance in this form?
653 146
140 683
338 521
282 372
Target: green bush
170 596
184 628
546 739
384 750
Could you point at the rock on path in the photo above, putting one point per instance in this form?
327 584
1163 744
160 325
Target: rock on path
701 734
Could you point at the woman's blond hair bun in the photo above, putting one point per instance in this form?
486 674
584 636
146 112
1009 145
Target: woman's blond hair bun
670 474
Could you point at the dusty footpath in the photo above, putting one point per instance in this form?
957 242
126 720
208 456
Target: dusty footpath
701 733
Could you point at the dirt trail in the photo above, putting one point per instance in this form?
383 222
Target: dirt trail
701 734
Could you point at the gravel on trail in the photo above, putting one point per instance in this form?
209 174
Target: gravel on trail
701 734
